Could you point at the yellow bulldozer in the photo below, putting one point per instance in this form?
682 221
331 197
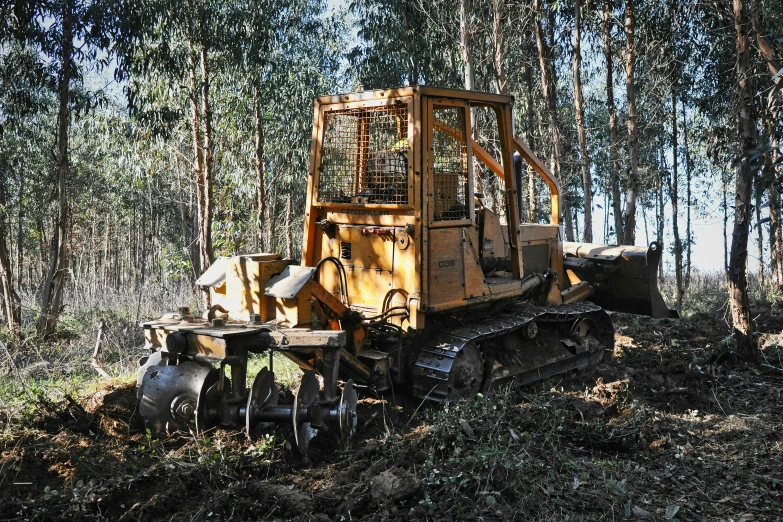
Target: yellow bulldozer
407 279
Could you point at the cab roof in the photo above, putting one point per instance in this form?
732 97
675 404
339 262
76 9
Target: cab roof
422 90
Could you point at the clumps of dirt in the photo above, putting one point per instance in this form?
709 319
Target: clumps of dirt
69 440
394 484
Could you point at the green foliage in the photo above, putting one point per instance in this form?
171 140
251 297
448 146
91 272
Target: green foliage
405 43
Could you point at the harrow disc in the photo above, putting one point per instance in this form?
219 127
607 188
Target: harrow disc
209 396
347 411
146 365
307 394
170 395
263 393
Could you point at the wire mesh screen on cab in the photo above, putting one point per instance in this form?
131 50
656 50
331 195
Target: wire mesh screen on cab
449 163
365 156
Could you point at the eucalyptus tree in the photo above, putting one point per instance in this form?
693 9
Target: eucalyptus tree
746 119
766 26
179 42
580 121
64 36
546 43
272 39
24 85
632 185
608 23
675 71
304 69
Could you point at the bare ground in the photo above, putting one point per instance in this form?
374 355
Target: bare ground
674 428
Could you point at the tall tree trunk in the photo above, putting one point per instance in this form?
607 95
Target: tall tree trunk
464 43
469 77
775 236
738 292
105 263
580 123
614 182
759 228
725 205
206 216
770 57
183 220
193 196
289 237
272 220
548 86
531 175
198 150
660 217
51 298
498 47
675 188
629 218
10 305
576 225
688 238
19 234
765 46
258 164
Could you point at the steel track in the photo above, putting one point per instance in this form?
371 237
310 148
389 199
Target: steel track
438 351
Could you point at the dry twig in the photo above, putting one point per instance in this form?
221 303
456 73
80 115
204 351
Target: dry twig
94 361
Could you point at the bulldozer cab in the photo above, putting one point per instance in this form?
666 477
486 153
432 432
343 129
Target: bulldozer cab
391 196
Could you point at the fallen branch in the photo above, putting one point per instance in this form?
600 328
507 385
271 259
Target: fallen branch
94 361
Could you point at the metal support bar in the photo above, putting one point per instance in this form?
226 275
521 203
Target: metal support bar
331 368
296 338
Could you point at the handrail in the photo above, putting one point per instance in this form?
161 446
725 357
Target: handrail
545 173
527 154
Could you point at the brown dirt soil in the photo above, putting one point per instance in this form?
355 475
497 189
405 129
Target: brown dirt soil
674 428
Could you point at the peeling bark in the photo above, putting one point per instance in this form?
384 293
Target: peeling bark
738 258
629 217
259 165
617 206
580 124
548 85
51 299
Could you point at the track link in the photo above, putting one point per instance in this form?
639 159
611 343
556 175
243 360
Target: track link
431 371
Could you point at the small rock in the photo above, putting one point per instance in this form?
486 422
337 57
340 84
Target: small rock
395 484
466 427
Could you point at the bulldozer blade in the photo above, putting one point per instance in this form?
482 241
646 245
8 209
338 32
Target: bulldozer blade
623 278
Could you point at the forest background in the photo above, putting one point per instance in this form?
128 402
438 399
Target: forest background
140 139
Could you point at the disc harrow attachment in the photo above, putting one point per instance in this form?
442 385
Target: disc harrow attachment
432 291
192 394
